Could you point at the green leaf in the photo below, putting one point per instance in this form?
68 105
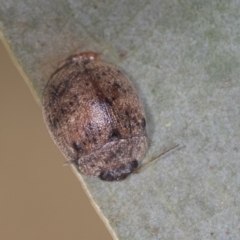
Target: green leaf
184 58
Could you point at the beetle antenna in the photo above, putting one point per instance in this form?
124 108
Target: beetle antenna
154 158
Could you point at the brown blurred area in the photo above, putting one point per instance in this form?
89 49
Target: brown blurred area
39 198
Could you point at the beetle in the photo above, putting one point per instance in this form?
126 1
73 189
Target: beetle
95 117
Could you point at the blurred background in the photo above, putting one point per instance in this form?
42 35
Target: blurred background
39 198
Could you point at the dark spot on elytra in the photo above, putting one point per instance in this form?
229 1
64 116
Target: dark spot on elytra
143 123
114 135
116 85
90 126
99 132
61 89
63 111
77 147
95 140
53 94
71 103
108 101
55 122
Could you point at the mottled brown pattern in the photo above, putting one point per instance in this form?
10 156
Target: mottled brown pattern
94 115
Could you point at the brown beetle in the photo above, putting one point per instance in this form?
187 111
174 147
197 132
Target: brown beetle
95 117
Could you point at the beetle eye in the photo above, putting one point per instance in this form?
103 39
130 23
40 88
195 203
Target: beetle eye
106 176
119 173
